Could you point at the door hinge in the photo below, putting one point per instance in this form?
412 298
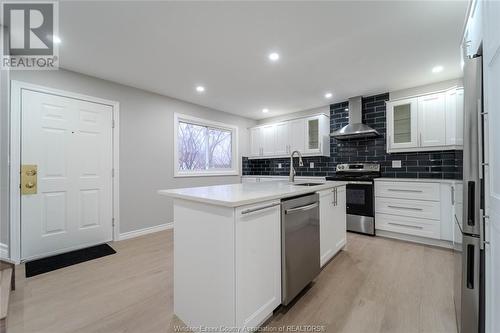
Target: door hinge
113 123
113 221
113 173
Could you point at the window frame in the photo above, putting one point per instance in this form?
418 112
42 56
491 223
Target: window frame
234 171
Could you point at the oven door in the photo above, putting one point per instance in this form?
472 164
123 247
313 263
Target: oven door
359 199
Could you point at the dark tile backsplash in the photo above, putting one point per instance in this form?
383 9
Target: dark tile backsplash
437 164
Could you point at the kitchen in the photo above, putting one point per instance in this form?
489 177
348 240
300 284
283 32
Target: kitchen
249 184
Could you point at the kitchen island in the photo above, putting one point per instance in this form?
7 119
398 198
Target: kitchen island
227 249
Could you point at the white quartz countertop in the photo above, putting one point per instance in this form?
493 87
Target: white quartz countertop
419 180
235 195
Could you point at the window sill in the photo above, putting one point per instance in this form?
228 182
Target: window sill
206 174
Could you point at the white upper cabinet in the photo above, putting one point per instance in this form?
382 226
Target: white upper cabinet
282 146
297 135
455 117
313 135
402 124
425 123
473 35
255 142
268 140
309 135
431 118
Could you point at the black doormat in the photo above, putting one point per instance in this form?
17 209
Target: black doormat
49 264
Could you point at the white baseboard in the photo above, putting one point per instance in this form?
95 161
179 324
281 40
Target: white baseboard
415 239
4 251
145 231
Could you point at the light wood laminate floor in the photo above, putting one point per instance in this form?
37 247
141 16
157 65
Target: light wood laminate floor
374 285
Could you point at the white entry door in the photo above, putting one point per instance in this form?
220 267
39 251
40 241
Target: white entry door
70 142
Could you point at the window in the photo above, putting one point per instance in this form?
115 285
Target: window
204 148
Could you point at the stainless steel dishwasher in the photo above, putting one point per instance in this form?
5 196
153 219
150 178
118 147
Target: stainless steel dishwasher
300 252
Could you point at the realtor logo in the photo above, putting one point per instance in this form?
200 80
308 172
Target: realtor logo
29 36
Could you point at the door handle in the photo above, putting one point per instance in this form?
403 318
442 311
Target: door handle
453 195
471 203
470 266
302 208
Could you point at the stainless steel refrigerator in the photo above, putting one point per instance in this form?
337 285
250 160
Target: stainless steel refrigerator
469 223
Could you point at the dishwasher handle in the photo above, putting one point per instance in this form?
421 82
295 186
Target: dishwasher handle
301 208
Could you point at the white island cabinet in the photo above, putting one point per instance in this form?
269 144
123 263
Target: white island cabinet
227 251
332 222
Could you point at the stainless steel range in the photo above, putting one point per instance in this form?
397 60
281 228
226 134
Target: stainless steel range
360 198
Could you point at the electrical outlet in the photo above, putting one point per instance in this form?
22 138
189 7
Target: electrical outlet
311 165
396 164
279 166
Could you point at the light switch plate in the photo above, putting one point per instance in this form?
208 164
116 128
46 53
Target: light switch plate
311 165
279 165
396 164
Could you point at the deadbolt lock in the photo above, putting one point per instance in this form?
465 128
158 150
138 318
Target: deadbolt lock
29 179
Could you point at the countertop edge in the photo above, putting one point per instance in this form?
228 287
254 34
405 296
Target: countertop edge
419 180
234 204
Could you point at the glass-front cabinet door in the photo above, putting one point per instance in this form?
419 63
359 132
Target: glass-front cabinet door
402 124
313 142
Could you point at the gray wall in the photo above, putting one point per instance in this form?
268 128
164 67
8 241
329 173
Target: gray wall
425 89
310 112
4 151
146 143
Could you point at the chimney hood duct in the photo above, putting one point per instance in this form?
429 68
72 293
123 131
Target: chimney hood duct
356 129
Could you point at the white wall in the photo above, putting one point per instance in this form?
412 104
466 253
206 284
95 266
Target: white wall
4 167
146 143
428 88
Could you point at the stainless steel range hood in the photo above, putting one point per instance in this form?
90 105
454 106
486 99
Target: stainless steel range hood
355 129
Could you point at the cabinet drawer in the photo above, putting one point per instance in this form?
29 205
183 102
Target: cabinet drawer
408 190
408 225
410 208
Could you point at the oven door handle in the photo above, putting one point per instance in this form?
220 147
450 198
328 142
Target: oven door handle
359 182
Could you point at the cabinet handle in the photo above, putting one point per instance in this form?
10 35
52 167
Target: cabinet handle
453 195
407 208
336 197
401 190
252 210
420 144
406 225
389 141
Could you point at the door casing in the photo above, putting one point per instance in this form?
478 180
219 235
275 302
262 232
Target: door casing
15 158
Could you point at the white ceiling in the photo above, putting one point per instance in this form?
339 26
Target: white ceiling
348 48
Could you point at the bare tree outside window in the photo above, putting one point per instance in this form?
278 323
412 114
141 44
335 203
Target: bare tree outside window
203 147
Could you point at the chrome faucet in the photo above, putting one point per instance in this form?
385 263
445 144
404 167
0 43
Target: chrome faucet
291 178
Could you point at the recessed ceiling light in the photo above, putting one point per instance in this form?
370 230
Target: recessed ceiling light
274 56
200 89
437 69
346 109
328 95
265 110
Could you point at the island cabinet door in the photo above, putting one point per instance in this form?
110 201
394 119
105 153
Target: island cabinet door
339 219
332 222
326 225
258 262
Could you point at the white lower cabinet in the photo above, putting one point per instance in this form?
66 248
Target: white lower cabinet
416 208
258 262
332 225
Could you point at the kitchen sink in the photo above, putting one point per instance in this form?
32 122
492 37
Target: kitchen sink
308 184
